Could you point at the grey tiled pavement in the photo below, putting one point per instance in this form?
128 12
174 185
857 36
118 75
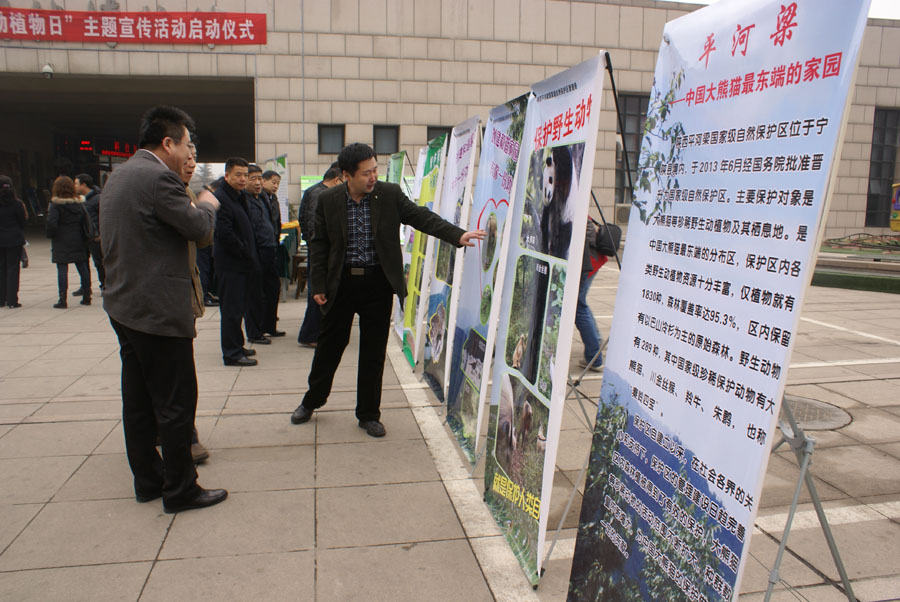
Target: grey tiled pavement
323 512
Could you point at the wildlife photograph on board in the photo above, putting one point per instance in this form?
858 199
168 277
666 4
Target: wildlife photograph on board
440 313
478 308
547 218
732 189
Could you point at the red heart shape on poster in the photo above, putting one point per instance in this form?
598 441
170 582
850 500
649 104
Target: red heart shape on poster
496 204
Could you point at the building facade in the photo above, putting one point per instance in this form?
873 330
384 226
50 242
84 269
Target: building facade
388 72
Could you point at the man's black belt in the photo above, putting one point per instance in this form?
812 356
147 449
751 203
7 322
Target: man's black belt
353 270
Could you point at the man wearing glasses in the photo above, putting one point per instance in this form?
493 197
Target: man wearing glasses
147 220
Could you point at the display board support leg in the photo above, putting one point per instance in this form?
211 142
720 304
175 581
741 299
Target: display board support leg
478 457
803 446
580 396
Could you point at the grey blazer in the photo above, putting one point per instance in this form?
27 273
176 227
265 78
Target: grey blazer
147 219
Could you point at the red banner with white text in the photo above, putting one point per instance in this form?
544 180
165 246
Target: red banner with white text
132 28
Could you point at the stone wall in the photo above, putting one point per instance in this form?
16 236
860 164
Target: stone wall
416 63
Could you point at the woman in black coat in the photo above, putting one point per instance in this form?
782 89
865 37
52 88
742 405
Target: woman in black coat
67 224
12 239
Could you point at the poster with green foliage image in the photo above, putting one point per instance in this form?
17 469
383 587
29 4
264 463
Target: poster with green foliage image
478 307
547 216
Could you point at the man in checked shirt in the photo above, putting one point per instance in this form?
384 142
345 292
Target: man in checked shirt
356 268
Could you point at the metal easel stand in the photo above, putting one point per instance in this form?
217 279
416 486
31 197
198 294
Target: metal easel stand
803 446
574 386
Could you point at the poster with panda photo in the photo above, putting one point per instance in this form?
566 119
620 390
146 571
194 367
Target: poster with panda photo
447 261
548 216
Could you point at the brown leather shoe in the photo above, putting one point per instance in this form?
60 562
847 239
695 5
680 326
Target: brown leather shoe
199 453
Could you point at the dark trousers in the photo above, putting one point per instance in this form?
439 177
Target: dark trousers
97 256
159 399
62 278
370 296
232 288
271 288
253 312
312 320
10 260
205 267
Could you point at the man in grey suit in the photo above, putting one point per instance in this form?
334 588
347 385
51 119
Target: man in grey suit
147 220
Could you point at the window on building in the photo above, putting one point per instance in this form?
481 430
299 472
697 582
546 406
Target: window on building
331 138
436 130
634 113
882 166
387 139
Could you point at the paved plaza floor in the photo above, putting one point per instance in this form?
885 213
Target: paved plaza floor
323 512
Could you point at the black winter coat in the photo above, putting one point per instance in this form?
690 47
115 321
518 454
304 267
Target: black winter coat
12 223
92 204
235 242
65 226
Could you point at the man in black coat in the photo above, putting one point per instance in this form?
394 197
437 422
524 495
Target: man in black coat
312 319
264 290
306 213
271 182
147 220
236 260
356 268
84 185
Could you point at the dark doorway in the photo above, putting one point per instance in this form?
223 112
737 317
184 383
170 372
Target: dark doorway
73 124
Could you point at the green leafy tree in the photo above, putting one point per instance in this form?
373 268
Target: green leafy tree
659 147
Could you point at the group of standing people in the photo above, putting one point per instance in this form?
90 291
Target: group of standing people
247 235
73 227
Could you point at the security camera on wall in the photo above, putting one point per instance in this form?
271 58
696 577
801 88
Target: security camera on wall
47 71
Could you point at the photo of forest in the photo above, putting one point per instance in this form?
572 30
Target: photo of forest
526 316
603 570
551 330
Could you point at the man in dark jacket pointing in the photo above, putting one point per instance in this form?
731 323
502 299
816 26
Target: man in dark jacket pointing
356 267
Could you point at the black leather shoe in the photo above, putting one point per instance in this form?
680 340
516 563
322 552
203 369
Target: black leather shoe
301 415
260 340
78 293
245 362
210 303
204 499
143 498
276 333
373 428
86 301
249 352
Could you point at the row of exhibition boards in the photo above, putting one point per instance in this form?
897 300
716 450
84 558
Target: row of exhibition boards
734 177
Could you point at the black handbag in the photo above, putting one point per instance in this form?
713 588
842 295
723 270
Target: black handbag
607 240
